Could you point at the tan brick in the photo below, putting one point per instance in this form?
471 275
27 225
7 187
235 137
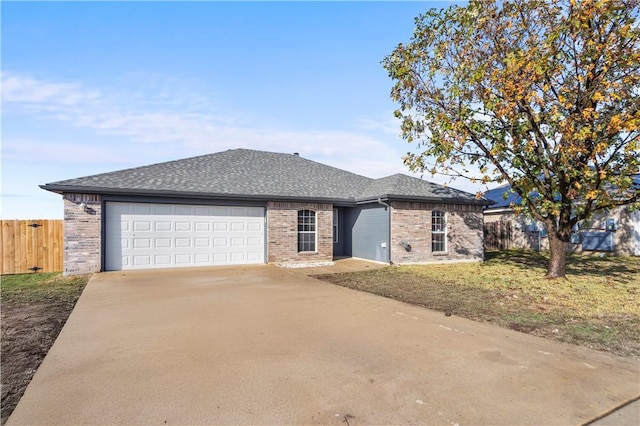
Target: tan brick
282 232
411 223
82 233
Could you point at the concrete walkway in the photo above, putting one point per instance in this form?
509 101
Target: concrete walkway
264 345
347 264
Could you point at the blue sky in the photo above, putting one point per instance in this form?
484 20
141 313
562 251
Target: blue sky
94 87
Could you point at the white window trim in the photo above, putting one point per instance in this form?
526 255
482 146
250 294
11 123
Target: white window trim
315 219
335 226
443 233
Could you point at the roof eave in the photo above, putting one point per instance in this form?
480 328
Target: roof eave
391 197
60 189
496 210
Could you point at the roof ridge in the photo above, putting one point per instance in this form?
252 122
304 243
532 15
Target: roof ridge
397 181
301 158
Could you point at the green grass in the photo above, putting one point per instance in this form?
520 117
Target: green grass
597 306
38 286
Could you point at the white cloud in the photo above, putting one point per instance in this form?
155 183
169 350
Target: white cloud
33 151
43 95
165 119
179 115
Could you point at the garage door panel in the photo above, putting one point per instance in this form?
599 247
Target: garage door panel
162 259
183 226
254 242
220 258
202 258
202 211
220 227
141 260
237 257
163 243
141 243
183 242
183 210
162 210
203 227
254 212
168 235
238 211
141 226
254 227
254 256
163 226
202 242
237 227
221 242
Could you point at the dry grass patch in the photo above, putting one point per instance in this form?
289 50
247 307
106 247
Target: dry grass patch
597 306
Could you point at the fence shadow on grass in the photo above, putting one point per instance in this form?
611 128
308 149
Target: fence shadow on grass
623 269
620 268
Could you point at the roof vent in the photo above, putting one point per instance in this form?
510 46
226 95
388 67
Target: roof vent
297 154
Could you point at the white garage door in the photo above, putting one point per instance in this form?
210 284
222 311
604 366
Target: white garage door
144 236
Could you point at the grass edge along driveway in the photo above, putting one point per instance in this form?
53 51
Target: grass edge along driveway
597 306
34 309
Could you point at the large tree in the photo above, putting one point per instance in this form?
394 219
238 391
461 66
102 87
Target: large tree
543 95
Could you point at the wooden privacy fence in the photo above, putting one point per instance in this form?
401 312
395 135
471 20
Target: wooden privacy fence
498 235
31 246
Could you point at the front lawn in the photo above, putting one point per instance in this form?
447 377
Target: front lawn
597 306
34 307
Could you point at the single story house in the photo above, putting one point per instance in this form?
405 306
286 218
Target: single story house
616 231
244 207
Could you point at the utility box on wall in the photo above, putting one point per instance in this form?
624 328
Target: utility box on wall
610 225
597 241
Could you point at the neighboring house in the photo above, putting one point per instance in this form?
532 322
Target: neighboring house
616 231
245 207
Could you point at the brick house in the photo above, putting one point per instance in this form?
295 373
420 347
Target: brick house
245 207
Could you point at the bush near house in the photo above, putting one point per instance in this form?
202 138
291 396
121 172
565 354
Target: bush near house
597 305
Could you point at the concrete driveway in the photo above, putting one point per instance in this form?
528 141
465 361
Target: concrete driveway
263 345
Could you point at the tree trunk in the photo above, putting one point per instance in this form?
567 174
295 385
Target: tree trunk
557 267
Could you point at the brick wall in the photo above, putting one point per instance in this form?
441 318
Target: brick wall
82 234
282 232
411 223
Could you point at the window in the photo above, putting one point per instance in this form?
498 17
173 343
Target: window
306 230
575 234
335 225
438 231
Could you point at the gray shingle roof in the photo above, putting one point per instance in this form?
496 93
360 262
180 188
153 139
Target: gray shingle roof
244 173
403 186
